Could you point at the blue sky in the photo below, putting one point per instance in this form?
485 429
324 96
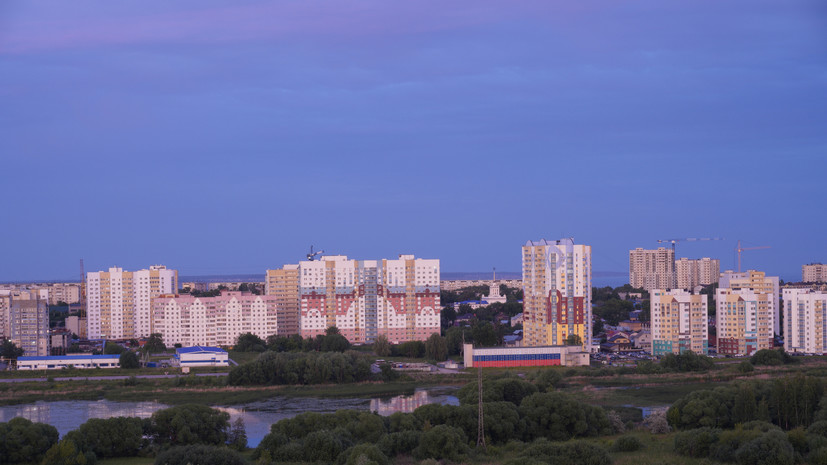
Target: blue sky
227 137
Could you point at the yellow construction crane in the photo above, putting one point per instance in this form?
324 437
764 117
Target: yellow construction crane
740 249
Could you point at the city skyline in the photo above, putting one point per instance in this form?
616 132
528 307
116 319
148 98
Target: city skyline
223 138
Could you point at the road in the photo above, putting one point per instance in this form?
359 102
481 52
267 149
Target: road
92 378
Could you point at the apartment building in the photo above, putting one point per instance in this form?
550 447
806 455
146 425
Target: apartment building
5 307
365 298
760 283
744 321
680 322
119 303
556 292
652 269
283 284
805 321
214 321
814 273
701 272
456 284
29 323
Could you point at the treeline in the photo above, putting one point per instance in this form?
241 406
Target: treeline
446 432
175 436
331 341
276 368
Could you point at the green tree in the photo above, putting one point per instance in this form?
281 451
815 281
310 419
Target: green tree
454 337
614 310
66 452
249 342
22 441
199 455
484 334
574 340
237 438
112 348
560 417
442 442
9 350
110 437
190 424
436 348
381 346
154 344
129 360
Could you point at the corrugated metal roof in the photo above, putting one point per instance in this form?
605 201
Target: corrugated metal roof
67 357
199 349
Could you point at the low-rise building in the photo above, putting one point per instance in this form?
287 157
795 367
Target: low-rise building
200 356
525 356
57 362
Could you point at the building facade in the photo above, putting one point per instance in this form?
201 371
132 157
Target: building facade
29 324
760 283
283 284
556 292
744 321
119 303
700 272
214 321
680 322
524 356
365 298
814 273
805 321
652 269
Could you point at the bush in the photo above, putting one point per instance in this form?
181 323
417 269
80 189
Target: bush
656 423
627 444
770 448
402 442
363 454
572 452
729 442
190 424
687 361
745 367
324 446
110 437
66 452
770 357
559 417
696 442
442 442
200 455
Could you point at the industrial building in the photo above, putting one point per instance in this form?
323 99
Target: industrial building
568 356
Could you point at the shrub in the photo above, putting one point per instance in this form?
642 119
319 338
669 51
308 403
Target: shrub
66 452
696 442
442 442
363 454
199 454
190 424
110 437
402 442
745 367
22 441
656 422
729 442
571 452
770 357
770 448
627 444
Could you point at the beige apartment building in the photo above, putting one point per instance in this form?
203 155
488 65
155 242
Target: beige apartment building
556 292
805 321
214 321
693 273
652 269
744 321
680 322
814 273
28 320
119 303
283 284
760 283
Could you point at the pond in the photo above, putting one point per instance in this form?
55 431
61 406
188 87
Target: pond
257 416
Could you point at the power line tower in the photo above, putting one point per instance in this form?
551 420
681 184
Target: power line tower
480 423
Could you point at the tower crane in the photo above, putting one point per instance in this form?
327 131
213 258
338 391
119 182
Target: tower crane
312 255
687 239
740 249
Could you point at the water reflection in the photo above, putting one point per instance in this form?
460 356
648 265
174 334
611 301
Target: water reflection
257 416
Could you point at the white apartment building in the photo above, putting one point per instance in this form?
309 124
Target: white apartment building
700 272
814 273
680 322
214 321
557 291
758 282
805 321
652 269
119 303
365 298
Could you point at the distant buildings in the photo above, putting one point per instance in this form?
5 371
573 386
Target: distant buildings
453 285
679 322
652 269
366 298
28 323
119 303
814 273
57 362
50 292
700 272
805 321
214 321
556 292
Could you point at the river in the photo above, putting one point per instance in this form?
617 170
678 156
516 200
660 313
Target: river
257 416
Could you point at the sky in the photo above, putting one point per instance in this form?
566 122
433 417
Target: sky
225 137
